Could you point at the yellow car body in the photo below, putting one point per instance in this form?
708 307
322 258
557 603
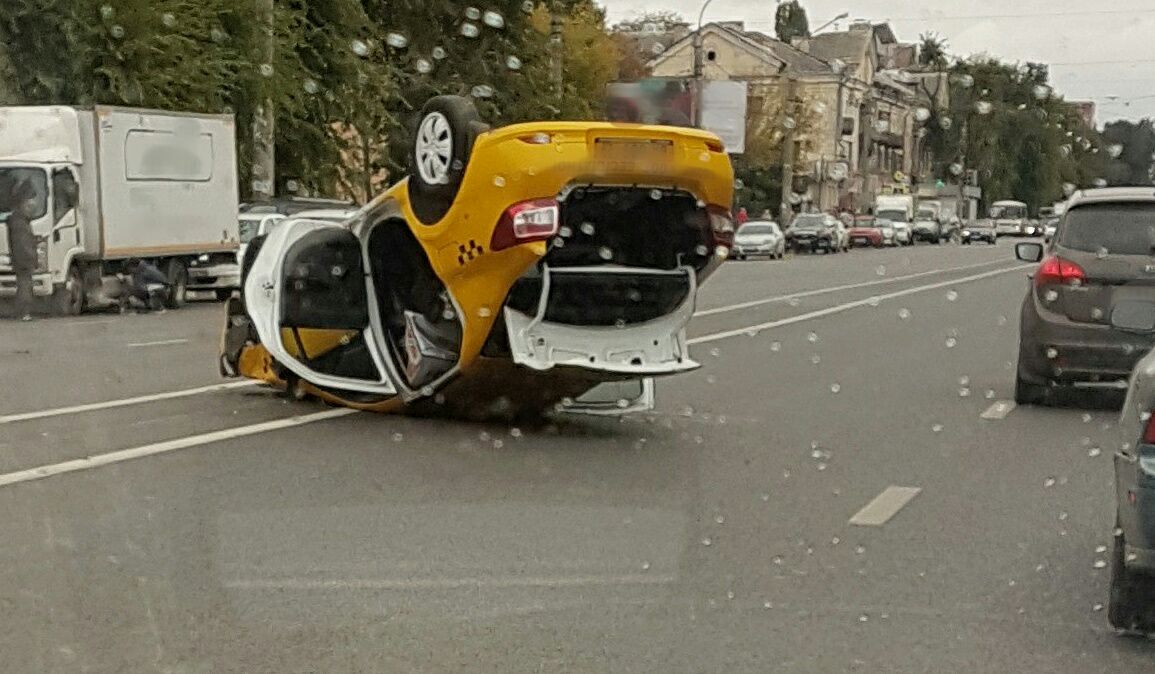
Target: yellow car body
516 164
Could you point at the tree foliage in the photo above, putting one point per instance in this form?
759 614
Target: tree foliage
932 52
1130 149
790 21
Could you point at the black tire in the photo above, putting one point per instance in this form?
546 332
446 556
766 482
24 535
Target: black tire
1029 393
68 299
1129 597
436 175
223 294
177 275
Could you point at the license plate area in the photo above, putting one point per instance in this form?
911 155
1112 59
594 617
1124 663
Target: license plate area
633 150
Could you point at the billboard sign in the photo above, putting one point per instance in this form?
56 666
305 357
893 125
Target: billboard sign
670 101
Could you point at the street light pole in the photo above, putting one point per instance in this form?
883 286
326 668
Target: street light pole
837 18
698 66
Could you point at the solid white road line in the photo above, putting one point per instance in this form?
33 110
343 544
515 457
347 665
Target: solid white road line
834 289
122 402
444 583
999 410
163 342
751 330
41 472
884 506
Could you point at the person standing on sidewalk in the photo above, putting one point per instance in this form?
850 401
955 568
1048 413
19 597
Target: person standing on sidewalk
22 245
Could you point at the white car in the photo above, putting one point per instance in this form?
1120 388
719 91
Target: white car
759 237
903 233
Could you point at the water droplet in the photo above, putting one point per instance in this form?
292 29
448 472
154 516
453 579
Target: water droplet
1049 482
1052 353
527 6
707 541
472 13
1002 320
1099 564
922 114
117 31
439 53
812 337
789 123
722 252
398 437
359 47
937 428
494 20
1099 182
605 253
956 168
765 498
481 91
951 342
951 296
767 605
715 352
1117 532
396 40
470 30
513 62
1051 295
983 107
863 618
587 228
964 392
718 519
1131 556
266 69
1102 253
880 270
904 313
655 194
858 550
816 359
1096 313
168 19
835 387
484 312
1063 516
738 184
946 122
775 346
499 181
1094 452
311 86
1041 91
1097 607
483 436
777 560
967 81
1115 150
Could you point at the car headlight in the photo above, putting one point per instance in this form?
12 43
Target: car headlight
966 232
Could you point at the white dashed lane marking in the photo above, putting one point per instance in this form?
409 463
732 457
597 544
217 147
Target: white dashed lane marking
999 410
163 342
884 506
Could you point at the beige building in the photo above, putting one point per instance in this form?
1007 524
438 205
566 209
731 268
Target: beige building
853 127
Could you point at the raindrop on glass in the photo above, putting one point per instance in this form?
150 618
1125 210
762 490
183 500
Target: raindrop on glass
470 30
1041 91
983 107
311 86
1068 189
1097 607
904 313
117 31
472 13
922 114
1099 564
266 69
398 437
605 253
499 181
951 342
1115 150
1049 482
789 123
990 394
951 296
359 47
812 337
964 392
816 359
168 19
715 352
1051 295
956 168
707 541
1063 517
880 270
439 53
484 312
658 48
946 122
396 40
835 388
775 346
1099 182
937 428
1094 452
512 62
702 250
874 301
1052 353
1102 253
481 91
738 184
718 519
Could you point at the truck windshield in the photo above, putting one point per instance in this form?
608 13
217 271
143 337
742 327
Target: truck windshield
893 216
35 180
926 214
1008 212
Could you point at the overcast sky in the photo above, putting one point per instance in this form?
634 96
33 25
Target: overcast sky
1100 50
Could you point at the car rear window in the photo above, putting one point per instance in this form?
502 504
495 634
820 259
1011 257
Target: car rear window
756 229
1118 228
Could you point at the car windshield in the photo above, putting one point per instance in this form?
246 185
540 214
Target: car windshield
32 183
577 336
809 222
1116 228
757 229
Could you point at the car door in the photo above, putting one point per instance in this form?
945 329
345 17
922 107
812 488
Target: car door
308 298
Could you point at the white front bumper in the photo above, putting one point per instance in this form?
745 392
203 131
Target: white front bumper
41 284
222 276
652 348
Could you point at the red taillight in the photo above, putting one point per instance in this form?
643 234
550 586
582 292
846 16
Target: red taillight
535 220
1149 430
1055 269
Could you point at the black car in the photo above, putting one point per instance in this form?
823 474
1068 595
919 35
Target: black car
979 231
1099 263
817 231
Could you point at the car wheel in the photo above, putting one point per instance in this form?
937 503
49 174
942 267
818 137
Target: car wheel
68 299
177 285
442 144
1029 393
1128 599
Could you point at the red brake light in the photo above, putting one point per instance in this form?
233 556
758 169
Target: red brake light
1055 269
535 220
1149 431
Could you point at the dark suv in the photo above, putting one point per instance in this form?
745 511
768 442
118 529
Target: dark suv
1100 261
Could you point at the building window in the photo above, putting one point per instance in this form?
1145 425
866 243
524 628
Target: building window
711 55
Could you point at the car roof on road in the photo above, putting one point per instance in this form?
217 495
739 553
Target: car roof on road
1107 194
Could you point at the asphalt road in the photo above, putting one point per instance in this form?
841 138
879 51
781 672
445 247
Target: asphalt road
728 531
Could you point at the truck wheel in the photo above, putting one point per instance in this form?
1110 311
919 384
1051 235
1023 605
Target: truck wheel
68 299
178 285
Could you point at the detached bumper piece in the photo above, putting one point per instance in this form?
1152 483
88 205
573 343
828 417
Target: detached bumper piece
607 319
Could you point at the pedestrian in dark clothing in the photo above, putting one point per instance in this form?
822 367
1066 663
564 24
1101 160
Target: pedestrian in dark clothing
21 245
146 284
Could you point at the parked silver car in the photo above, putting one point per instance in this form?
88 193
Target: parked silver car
759 237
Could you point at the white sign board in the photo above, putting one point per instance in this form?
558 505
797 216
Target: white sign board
724 113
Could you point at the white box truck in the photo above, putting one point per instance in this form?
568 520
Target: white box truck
118 183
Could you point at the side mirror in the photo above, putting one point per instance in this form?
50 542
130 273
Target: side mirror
1029 252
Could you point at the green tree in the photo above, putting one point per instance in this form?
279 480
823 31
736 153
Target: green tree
1130 148
790 21
932 54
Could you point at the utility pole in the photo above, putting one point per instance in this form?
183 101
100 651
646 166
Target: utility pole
556 65
698 67
867 123
264 131
790 122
